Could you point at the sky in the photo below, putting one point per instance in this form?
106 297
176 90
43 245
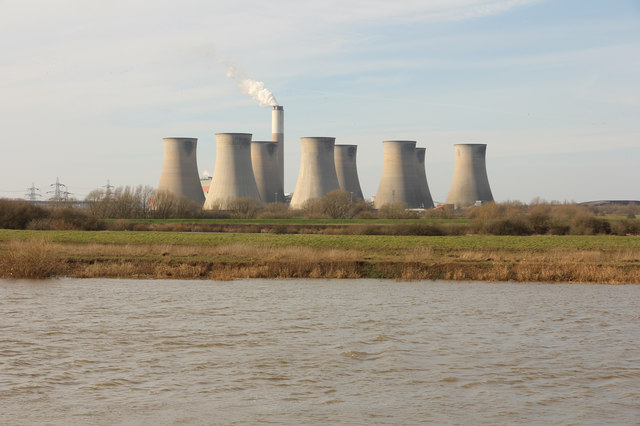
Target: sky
88 88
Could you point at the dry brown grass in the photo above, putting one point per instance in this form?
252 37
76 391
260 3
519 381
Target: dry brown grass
42 259
32 259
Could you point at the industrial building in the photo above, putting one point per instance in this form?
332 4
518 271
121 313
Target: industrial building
266 170
470 184
233 173
180 169
277 135
425 200
317 175
347 170
399 182
255 169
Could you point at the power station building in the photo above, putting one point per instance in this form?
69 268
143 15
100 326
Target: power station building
180 169
233 174
317 175
470 183
246 169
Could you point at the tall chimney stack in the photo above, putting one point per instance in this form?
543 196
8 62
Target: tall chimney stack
277 135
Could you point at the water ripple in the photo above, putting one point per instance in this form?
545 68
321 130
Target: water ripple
325 351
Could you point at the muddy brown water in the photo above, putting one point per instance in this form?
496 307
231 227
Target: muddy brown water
152 352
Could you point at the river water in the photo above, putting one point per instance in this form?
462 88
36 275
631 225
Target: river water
317 351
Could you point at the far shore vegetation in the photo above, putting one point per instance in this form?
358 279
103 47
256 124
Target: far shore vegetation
161 236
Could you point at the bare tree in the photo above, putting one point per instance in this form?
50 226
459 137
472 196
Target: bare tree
244 208
336 204
167 205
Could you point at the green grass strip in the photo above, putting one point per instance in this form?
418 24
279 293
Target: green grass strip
363 242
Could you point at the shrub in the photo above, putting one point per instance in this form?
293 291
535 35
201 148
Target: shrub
33 259
68 218
124 202
395 210
626 227
508 227
243 208
365 214
584 224
419 229
490 211
119 225
362 209
215 213
539 217
168 205
17 214
275 211
559 227
336 204
568 211
455 228
444 212
312 209
42 224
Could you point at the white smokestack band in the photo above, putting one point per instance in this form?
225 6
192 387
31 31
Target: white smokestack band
277 135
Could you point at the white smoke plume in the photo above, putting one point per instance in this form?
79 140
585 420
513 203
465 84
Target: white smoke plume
255 89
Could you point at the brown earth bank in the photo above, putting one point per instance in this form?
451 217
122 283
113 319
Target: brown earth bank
42 259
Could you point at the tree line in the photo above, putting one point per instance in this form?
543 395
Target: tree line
102 206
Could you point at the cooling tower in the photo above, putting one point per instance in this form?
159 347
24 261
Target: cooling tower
264 159
470 182
180 169
421 179
277 135
233 174
317 174
347 171
399 182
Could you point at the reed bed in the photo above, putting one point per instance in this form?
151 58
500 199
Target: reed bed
574 260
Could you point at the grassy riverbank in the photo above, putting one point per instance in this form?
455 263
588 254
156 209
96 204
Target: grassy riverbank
584 259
